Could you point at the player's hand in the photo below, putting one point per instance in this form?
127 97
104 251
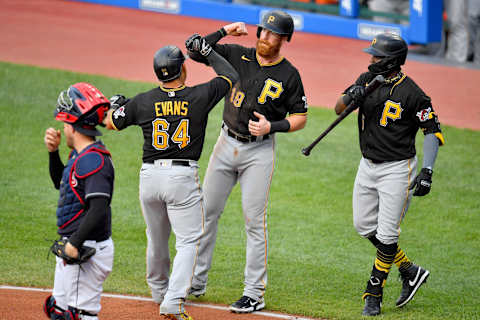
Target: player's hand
71 250
52 139
191 44
357 94
236 29
198 44
260 127
422 182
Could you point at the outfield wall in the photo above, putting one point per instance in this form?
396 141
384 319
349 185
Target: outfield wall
425 17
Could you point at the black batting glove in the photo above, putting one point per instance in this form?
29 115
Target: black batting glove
422 182
357 95
117 101
198 44
192 42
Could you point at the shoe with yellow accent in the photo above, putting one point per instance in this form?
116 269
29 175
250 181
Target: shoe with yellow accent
178 316
412 279
373 305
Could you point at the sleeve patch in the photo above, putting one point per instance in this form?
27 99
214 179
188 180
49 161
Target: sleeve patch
425 114
120 112
88 164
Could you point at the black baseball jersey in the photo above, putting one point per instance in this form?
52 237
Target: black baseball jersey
390 117
271 89
173 121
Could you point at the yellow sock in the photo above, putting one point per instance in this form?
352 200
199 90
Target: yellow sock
401 260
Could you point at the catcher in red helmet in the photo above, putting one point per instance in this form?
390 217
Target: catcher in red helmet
85 248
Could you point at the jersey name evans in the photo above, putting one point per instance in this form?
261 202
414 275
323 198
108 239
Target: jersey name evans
171 108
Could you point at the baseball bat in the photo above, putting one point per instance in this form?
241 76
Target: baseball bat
377 81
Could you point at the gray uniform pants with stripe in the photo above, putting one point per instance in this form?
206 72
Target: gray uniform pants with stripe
250 164
381 197
171 198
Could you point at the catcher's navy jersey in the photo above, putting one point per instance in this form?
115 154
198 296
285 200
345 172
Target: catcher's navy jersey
173 121
390 117
272 89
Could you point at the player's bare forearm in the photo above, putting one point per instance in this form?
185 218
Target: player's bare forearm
107 121
297 122
340 105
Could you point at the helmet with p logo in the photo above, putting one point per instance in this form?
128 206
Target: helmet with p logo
278 22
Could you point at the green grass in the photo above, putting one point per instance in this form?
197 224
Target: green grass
318 265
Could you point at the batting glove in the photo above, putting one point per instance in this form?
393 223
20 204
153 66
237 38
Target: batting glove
357 95
117 101
422 182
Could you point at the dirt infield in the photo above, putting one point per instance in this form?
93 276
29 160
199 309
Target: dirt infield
120 42
26 304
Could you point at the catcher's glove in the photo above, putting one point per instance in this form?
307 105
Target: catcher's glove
84 253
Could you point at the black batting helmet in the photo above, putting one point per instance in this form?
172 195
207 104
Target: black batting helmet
167 63
393 50
277 21
83 106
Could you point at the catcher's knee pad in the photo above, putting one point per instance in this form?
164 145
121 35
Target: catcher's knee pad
52 311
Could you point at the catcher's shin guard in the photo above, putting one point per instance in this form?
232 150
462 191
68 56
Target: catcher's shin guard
52 311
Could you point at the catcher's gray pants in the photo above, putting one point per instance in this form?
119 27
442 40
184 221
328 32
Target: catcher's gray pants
171 198
250 164
381 197
81 286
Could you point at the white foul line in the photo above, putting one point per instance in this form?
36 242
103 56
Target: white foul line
137 298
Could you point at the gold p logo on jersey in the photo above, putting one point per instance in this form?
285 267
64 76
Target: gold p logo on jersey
270 19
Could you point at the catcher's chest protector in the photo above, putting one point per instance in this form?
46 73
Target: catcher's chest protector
71 202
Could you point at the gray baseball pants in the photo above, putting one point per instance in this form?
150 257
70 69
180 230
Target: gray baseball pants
252 165
381 197
171 198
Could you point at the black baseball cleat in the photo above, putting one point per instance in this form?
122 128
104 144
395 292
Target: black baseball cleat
373 305
246 305
412 279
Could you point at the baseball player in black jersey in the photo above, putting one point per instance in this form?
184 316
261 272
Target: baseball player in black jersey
388 121
270 87
83 213
173 118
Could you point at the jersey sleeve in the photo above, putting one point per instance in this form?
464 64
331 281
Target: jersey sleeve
125 115
217 88
426 118
297 101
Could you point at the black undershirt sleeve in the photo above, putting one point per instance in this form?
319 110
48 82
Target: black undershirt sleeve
214 37
222 67
56 168
96 213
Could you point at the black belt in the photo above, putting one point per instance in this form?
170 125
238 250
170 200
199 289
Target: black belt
184 163
377 161
243 138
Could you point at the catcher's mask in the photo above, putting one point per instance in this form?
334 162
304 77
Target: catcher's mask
278 22
391 48
167 63
83 106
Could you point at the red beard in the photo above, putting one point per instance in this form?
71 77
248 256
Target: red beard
265 50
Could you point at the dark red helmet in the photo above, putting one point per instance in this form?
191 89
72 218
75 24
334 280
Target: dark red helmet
278 22
83 106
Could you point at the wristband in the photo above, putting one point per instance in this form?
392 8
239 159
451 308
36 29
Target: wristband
222 31
279 126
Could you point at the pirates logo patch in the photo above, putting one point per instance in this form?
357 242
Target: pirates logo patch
424 115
